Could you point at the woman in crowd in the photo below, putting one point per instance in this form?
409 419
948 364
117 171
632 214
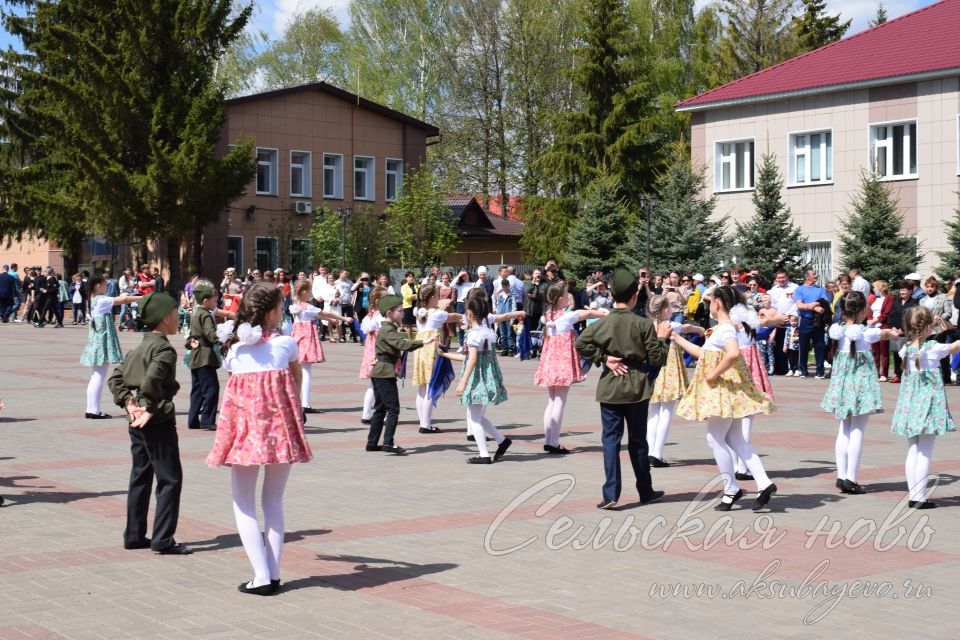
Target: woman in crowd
941 307
880 302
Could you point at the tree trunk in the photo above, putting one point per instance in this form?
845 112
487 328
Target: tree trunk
174 264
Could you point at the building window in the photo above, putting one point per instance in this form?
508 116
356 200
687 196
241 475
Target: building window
300 255
266 254
363 186
734 165
266 171
819 255
300 174
235 252
332 175
811 158
394 179
893 150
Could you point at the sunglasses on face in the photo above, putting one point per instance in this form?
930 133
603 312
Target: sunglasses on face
643 274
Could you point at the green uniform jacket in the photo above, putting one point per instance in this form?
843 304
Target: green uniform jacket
390 344
149 374
203 329
623 334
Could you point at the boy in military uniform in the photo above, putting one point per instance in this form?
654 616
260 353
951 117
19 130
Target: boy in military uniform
204 361
386 401
145 385
627 347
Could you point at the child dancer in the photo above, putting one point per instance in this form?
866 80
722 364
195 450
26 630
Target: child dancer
854 392
103 344
559 366
370 327
260 424
747 321
922 412
308 340
722 393
430 321
670 383
481 382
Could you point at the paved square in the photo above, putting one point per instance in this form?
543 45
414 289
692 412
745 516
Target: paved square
403 547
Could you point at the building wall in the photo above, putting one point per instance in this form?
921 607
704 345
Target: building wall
500 250
819 209
31 252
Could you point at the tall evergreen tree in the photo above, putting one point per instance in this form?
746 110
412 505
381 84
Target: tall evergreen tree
873 238
546 227
683 233
769 241
881 16
758 35
950 259
595 237
815 29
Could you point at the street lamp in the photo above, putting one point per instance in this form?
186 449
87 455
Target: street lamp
648 203
344 213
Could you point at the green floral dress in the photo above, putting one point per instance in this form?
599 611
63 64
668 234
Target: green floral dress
854 389
922 404
485 385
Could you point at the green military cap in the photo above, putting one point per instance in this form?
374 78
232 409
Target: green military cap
622 280
389 302
154 307
201 292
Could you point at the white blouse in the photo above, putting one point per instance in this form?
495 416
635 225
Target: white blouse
479 337
435 319
561 324
846 333
930 357
271 355
722 333
101 306
304 312
371 323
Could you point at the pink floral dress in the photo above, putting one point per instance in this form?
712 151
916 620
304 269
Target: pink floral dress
305 332
559 362
371 327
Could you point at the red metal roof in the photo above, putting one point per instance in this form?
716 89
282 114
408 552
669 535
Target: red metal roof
924 41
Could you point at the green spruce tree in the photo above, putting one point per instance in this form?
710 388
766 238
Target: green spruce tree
683 235
950 259
815 28
880 18
595 237
419 226
769 241
873 238
546 226
757 36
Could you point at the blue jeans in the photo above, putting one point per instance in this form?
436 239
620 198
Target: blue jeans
613 417
506 339
765 349
812 335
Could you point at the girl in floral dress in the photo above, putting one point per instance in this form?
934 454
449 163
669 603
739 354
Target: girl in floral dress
854 392
722 393
430 321
370 328
260 425
747 321
307 338
922 413
481 381
559 366
103 344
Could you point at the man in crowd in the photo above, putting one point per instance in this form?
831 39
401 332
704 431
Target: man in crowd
916 291
145 280
781 298
810 299
517 287
345 284
433 276
483 282
8 293
534 297
859 283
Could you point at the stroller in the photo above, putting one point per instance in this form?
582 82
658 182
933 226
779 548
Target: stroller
130 320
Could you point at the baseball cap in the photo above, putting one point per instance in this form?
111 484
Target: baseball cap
481 269
698 277
913 276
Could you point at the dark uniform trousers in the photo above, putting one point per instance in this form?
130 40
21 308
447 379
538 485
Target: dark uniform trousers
386 411
156 452
612 417
204 396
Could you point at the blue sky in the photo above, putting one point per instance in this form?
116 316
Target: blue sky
271 15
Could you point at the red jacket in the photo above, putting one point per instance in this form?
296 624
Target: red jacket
884 310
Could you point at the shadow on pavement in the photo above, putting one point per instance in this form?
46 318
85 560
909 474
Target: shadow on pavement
366 576
232 540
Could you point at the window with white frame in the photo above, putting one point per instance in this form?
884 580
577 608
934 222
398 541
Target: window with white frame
300 174
893 149
394 179
266 171
332 175
266 254
300 254
363 186
734 165
811 158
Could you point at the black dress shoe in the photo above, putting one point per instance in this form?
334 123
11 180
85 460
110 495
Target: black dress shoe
430 430
556 451
139 544
743 476
471 438
393 449
764 496
268 589
362 421
480 460
653 497
176 549
276 584
657 463
310 410
373 447
727 501
209 427
839 484
851 487
607 504
97 416
926 504
502 448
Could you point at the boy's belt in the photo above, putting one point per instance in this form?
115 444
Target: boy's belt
386 359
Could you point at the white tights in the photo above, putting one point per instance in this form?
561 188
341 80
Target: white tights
306 369
98 375
724 434
263 550
553 415
850 446
659 415
919 453
424 407
746 427
481 427
367 403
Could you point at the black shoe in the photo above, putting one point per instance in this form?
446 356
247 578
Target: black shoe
97 416
471 438
208 427
312 410
393 449
764 496
373 447
653 497
502 448
727 501
556 451
139 544
743 476
362 421
480 460
607 504
839 484
268 589
851 487
926 504
176 549
431 429
657 463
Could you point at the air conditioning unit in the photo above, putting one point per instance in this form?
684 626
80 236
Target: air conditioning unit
302 208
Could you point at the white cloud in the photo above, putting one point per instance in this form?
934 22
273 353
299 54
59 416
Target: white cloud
862 11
